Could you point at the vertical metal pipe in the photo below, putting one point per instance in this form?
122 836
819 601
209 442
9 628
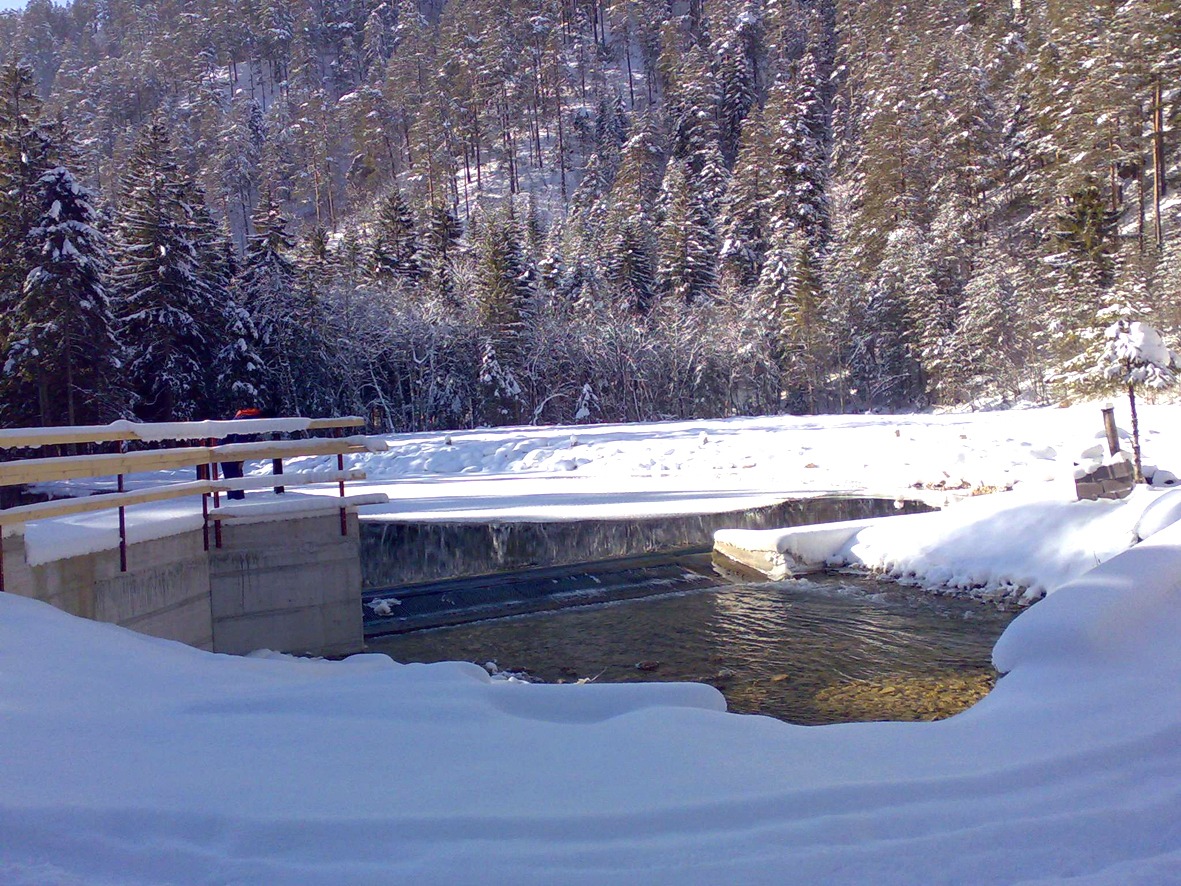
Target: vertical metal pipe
205 520
122 532
344 519
277 466
1110 430
214 471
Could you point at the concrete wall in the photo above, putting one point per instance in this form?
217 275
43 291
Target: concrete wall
164 593
291 585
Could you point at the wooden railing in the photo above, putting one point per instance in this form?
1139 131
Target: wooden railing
205 458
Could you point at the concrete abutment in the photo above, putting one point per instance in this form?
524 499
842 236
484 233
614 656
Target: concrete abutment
290 585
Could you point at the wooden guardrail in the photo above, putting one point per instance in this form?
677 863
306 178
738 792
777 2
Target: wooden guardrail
206 459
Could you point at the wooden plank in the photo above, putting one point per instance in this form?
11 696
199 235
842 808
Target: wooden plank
265 449
18 438
311 504
42 470
303 478
109 501
102 502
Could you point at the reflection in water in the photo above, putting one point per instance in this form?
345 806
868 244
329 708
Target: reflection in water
811 651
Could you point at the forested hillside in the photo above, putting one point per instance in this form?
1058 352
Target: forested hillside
459 212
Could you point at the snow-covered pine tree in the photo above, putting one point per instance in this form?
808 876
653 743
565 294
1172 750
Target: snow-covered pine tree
503 292
693 111
241 142
395 241
744 227
740 53
27 150
503 285
1083 268
628 269
1136 354
686 245
796 153
787 305
289 340
441 248
63 332
162 292
987 351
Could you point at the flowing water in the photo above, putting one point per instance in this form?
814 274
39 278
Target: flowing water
818 650
396 554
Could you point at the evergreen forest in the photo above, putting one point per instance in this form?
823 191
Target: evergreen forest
455 213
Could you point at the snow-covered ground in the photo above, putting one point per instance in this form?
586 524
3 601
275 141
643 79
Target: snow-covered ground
135 760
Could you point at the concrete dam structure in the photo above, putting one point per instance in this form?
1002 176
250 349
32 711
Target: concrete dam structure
276 569
291 585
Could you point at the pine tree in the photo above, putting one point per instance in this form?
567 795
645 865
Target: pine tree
63 338
740 57
796 162
503 291
267 288
503 285
27 151
395 243
162 292
441 247
992 336
629 267
1082 271
686 247
744 226
788 307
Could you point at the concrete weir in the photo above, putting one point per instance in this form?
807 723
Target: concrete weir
290 584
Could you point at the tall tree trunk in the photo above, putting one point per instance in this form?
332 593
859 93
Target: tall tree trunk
1137 467
1158 155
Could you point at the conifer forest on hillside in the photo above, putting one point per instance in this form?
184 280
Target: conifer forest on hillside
450 213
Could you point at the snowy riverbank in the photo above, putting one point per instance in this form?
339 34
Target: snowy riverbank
134 760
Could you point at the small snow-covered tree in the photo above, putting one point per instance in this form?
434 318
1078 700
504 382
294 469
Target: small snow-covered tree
1136 355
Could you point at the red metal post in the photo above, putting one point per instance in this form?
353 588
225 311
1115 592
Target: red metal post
213 469
203 474
344 520
122 532
277 468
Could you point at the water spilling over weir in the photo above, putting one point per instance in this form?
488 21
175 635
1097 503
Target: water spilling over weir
629 600
398 554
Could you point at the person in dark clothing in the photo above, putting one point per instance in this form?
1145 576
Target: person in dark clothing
232 470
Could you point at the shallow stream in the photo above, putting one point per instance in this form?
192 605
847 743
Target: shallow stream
819 650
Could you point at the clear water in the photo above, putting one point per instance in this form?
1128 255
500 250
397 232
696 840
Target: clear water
833 649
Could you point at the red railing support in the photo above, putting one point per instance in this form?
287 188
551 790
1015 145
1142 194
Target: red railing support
344 519
122 532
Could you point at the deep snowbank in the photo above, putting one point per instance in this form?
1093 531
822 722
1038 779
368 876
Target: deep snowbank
1014 546
135 760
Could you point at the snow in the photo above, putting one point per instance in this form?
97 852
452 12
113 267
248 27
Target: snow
49 540
137 760
1136 353
152 432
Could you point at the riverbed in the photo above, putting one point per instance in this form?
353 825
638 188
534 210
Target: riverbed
825 649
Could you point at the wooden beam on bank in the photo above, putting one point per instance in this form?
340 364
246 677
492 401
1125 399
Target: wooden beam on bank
44 470
22 438
110 500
